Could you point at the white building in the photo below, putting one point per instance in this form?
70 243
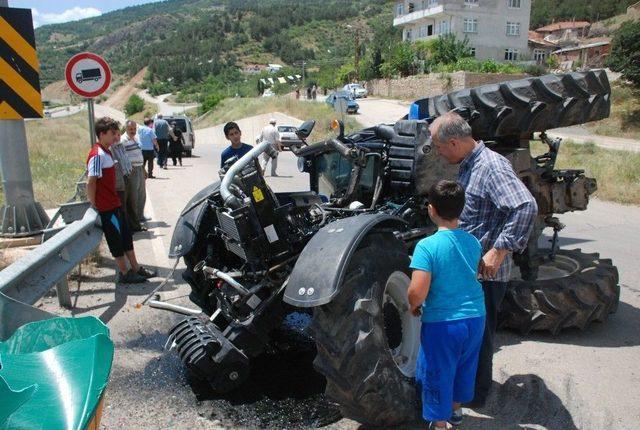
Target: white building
496 29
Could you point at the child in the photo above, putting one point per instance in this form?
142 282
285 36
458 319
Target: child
237 148
453 314
101 192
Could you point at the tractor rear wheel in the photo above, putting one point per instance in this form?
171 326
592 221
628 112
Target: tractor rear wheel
572 290
366 338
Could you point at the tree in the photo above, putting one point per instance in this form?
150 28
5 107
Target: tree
134 105
625 52
447 49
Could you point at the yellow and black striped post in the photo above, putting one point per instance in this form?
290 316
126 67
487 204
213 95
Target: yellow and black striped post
20 98
19 68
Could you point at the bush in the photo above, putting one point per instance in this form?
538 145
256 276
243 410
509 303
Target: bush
209 102
448 50
625 52
134 105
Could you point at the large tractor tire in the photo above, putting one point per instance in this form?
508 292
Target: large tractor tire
572 290
367 340
524 106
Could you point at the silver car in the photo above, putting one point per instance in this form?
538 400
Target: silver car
288 137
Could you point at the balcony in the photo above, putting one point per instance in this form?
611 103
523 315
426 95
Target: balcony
431 12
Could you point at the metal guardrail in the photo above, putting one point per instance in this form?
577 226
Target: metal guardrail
31 277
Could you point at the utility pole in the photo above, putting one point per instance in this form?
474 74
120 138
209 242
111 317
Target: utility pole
356 59
20 215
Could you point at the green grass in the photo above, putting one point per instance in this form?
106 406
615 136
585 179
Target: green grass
58 148
617 172
625 114
233 109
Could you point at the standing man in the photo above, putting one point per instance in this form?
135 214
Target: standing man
270 134
135 186
148 145
123 170
101 192
161 127
499 211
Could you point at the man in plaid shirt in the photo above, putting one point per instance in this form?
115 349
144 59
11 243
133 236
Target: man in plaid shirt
499 211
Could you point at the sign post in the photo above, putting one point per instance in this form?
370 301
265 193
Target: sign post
20 98
88 75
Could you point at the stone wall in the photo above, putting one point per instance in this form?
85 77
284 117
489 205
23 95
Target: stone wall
421 86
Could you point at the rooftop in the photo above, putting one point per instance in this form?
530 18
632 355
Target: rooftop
563 25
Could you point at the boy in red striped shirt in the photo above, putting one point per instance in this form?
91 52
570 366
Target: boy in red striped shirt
101 192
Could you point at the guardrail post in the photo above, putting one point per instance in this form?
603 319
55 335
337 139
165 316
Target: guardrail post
64 297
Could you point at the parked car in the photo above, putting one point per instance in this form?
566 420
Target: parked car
352 106
357 90
184 123
288 137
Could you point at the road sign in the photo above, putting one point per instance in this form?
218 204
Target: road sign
88 75
19 68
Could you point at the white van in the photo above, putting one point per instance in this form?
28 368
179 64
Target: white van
183 123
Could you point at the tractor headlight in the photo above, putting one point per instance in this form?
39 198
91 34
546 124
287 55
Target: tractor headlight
302 164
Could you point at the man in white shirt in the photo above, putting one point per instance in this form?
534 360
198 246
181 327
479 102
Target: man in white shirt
270 134
135 187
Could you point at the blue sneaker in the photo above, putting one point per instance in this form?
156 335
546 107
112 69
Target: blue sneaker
456 417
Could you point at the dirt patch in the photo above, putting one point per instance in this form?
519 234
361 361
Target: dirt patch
57 92
119 98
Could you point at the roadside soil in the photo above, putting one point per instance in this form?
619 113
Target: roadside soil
120 97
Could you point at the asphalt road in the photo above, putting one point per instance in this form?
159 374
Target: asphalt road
577 380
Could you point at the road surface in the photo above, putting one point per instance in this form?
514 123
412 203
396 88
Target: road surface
576 380
166 108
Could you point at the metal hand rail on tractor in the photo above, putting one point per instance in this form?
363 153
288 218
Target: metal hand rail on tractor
31 277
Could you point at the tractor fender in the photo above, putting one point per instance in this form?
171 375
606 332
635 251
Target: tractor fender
316 278
186 230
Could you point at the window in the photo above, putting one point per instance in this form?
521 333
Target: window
443 27
424 4
430 30
423 32
433 3
510 54
471 2
472 51
513 29
411 7
470 25
514 4
400 9
539 54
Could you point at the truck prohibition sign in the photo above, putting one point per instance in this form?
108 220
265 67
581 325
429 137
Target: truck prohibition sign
88 75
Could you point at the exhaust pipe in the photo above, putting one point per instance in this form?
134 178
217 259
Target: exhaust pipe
229 199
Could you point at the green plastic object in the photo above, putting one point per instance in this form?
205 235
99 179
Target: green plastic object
53 373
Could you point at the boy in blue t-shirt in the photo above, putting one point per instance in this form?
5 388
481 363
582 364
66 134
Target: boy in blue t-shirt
237 148
446 292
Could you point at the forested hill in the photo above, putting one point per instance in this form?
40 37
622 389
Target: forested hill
544 12
187 40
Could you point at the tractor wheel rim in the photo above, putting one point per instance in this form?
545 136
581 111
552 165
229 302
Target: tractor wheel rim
395 295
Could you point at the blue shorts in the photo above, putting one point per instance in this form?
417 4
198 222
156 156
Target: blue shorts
447 364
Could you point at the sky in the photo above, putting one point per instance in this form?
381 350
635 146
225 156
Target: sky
56 11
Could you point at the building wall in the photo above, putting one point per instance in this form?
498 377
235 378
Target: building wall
490 40
421 86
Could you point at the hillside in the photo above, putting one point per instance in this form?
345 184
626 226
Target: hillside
544 12
184 41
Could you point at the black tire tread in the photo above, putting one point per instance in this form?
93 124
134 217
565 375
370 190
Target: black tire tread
590 294
524 106
352 349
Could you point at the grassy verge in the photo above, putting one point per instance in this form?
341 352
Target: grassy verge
58 148
625 114
233 109
617 172
147 112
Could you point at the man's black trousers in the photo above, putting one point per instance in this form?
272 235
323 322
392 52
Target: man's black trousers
493 295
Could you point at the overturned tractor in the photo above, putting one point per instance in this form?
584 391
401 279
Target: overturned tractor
332 262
